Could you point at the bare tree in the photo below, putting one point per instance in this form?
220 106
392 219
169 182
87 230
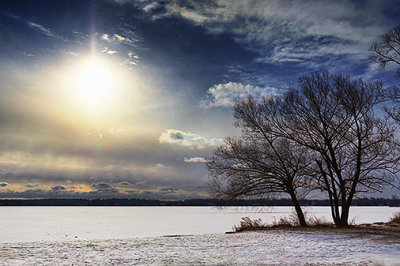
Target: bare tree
387 49
258 163
335 117
325 135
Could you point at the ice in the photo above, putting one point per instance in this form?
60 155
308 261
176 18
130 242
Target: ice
24 224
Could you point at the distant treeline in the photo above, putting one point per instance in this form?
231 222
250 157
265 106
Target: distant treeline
189 202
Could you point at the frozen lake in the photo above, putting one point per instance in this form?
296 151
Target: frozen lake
28 224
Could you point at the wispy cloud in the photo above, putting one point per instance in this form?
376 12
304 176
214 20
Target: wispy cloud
161 166
35 26
42 29
188 139
292 32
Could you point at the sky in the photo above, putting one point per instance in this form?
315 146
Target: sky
128 98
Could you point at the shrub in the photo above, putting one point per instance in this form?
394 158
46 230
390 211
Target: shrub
395 218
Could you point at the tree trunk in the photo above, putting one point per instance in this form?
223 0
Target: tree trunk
299 211
345 216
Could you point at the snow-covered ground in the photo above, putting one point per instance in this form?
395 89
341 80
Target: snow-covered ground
272 247
142 235
30 224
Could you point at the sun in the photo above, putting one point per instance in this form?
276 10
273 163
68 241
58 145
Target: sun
93 83
95 87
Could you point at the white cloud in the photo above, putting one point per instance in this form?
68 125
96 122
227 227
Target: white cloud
188 139
150 7
229 93
127 37
105 37
107 51
195 160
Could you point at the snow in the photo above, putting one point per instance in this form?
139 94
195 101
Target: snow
271 247
30 224
180 235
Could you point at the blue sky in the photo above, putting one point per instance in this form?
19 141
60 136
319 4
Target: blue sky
168 73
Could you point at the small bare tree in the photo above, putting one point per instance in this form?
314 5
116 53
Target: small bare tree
387 49
258 163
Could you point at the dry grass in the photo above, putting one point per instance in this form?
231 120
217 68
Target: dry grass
384 234
247 224
395 219
283 221
317 222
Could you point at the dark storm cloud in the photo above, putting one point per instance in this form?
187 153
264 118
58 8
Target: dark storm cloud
168 190
31 185
58 188
3 184
166 193
103 187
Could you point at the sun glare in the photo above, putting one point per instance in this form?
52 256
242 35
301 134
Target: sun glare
94 87
94 83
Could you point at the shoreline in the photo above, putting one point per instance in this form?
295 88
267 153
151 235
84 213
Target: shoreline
386 234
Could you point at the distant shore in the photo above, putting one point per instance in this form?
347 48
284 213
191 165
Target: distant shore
394 202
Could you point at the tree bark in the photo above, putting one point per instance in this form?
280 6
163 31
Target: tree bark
299 211
344 217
